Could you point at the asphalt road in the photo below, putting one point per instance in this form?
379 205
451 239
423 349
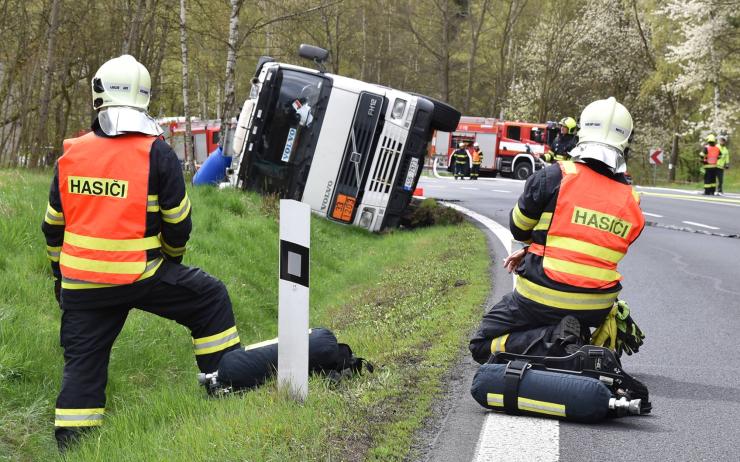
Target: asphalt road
682 281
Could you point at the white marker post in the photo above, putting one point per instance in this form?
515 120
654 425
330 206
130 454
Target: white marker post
295 226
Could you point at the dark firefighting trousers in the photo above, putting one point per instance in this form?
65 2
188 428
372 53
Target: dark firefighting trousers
710 180
475 171
518 325
186 295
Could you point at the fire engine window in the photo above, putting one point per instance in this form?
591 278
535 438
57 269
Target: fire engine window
536 135
216 137
513 133
456 140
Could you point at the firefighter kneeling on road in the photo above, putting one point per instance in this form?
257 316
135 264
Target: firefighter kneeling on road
579 217
460 157
116 227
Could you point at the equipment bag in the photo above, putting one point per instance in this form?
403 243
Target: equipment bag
250 367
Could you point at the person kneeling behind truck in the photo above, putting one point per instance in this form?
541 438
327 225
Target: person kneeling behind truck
579 218
116 227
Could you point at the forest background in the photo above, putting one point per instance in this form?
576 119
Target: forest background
675 64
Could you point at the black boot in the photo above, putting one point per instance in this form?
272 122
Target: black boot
566 338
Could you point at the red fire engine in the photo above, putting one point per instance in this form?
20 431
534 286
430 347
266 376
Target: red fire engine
205 136
509 148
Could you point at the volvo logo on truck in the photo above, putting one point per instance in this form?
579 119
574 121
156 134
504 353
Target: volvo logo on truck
327 195
371 109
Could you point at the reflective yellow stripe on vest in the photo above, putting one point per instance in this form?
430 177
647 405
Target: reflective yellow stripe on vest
579 269
569 167
564 300
98 243
529 405
587 248
151 267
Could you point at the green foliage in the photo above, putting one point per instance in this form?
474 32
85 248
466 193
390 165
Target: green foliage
393 297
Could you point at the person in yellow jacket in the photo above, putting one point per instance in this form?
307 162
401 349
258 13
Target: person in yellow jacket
723 163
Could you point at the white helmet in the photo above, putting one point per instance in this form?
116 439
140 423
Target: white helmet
605 134
121 81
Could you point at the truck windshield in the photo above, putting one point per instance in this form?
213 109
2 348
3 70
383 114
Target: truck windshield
293 111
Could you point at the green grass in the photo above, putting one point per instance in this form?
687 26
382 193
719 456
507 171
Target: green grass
404 299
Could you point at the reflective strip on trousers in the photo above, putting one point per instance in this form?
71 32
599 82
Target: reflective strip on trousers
217 342
529 405
498 345
563 300
78 417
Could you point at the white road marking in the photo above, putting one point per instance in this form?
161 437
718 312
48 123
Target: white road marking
518 438
652 215
699 224
500 190
470 189
505 437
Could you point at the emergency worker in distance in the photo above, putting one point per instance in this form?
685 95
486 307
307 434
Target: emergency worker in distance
710 157
578 218
565 141
723 163
116 228
460 157
477 157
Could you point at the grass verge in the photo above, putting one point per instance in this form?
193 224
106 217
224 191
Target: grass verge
405 300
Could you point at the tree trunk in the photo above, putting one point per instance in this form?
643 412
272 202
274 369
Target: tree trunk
187 141
47 75
130 44
475 35
229 86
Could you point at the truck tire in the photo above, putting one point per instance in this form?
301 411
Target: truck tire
522 170
444 117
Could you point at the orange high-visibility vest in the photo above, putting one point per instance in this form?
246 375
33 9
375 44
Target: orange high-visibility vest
595 221
476 156
712 156
103 184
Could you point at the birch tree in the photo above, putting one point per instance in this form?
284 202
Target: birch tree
187 142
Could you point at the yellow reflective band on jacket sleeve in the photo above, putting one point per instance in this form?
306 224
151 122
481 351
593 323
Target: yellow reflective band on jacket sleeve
529 405
636 195
179 213
52 253
564 300
152 203
78 417
151 267
544 223
172 251
522 221
498 345
216 342
99 243
53 217
587 248
578 269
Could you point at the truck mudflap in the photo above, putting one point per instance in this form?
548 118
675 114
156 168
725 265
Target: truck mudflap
587 386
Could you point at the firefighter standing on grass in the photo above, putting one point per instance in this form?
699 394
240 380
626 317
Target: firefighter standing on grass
477 157
460 157
709 157
116 227
579 218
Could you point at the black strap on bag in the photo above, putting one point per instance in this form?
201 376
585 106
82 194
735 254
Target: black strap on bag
513 375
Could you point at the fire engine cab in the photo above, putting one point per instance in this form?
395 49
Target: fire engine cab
509 148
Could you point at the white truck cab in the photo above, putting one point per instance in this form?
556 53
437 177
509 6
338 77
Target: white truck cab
352 150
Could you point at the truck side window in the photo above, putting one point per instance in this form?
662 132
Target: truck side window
513 133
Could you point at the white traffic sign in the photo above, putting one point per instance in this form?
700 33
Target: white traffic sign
656 156
295 227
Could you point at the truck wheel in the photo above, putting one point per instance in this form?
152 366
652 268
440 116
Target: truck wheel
444 117
522 170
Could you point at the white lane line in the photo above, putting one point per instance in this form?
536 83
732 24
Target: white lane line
652 215
505 437
500 190
699 224
469 189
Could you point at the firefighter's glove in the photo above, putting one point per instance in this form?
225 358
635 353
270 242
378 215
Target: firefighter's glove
58 290
629 336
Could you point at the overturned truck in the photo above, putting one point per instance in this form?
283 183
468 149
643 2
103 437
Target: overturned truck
351 150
